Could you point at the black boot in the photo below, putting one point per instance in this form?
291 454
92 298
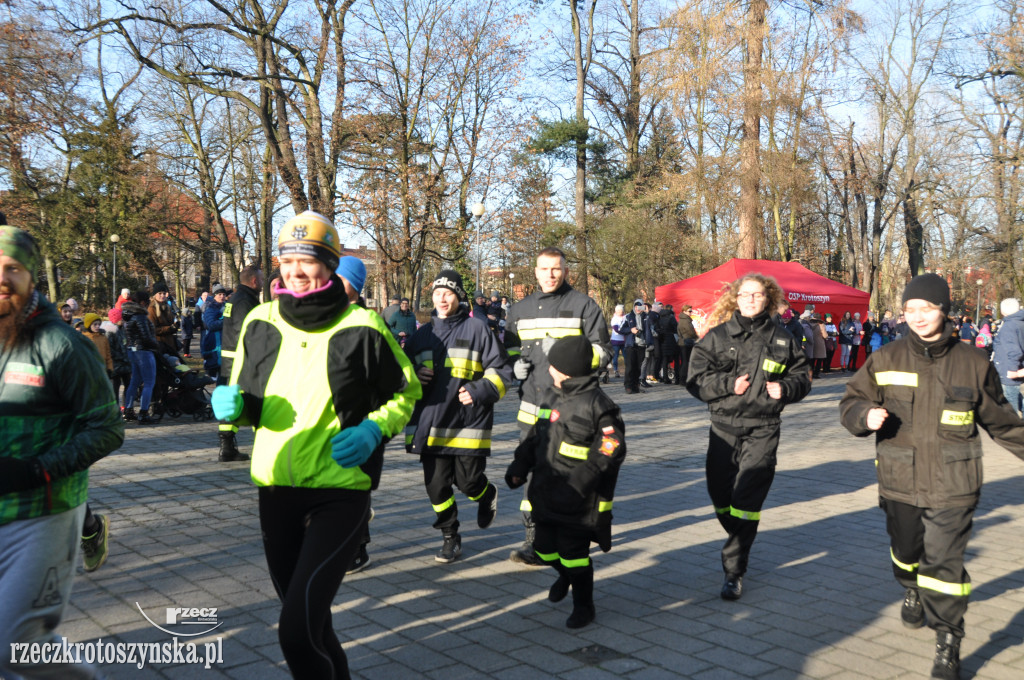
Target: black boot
947 656
526 554
128 415
229 452
582 598
144 418
559 588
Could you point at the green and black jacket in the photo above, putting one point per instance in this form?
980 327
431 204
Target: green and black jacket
306 379
573 454
56 405
928 451
463 352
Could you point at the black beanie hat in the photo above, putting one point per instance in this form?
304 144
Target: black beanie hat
572 356
452 280
159 287
931 288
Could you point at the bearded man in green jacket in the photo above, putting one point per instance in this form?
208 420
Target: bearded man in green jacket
58 416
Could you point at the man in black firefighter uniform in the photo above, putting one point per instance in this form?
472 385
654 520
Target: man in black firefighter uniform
533 325
238 306
923 396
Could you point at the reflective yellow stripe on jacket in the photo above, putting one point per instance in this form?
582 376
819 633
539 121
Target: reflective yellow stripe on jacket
573 451
459 438
904 378
535 329
957 418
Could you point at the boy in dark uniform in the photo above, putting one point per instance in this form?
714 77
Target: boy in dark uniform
923 397
574 452
464 370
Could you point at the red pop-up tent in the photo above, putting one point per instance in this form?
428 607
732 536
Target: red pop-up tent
802 287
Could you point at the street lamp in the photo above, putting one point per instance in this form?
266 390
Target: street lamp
114 238
977 309
478 210
512 286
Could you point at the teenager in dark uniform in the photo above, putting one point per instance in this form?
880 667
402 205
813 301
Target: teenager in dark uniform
464 370
747 368
573 452
923 397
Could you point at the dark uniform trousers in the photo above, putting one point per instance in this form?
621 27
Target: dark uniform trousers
928 547
567 550
440 472
740 468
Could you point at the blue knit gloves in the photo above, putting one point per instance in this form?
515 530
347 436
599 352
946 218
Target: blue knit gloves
226 402
352 446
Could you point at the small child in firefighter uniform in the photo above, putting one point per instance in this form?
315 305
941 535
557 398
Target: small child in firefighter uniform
574 452
923 397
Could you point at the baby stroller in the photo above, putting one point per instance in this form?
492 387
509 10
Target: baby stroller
180 390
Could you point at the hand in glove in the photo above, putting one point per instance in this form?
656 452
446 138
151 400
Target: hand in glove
352 446
604 530
17 474
512 480
521 369
226 402
547 343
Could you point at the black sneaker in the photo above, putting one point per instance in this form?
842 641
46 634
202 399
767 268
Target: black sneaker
947 657
94 548
487 507
451 549
361 561
912 611
732 589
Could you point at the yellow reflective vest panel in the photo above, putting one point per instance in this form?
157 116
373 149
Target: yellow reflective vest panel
301 388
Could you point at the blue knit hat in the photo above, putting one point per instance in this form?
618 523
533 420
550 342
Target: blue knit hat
352 270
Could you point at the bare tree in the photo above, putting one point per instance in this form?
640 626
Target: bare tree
285 62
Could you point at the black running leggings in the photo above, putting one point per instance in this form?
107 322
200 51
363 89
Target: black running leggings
310 537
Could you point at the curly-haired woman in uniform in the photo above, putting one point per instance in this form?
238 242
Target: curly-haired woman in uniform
747 369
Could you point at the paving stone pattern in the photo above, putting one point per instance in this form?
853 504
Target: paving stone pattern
819 600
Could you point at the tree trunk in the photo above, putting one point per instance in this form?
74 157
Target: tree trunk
914 231
750 165
582 63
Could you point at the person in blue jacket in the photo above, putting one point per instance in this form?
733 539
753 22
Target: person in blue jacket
464 370
1008 352
213 322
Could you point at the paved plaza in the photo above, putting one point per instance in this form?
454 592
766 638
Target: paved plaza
819 600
